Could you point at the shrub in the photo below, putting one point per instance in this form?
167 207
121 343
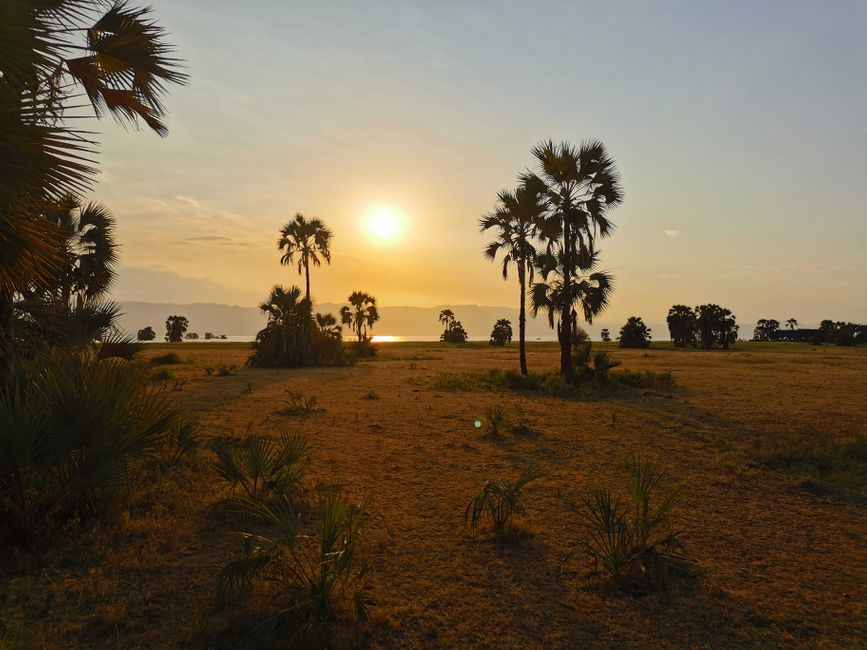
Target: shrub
292 337
495 416
370 395
363 349
297 404
645 379
167 359
454 333
225 370
832 465
502 333
522 424
603 362
70 436
634 334
315 570
628 538
261 465
500 500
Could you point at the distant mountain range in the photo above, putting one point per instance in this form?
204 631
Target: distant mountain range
394 321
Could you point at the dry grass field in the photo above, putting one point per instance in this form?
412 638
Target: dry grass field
780 551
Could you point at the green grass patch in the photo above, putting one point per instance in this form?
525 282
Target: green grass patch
552 384
831 465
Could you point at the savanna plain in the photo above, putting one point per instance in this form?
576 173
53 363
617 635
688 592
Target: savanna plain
778 548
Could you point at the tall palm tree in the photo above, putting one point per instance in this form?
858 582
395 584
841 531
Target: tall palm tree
582 184
792 323
516 220
590 291
49 53
360 314
307 240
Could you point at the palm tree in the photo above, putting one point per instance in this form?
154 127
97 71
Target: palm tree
360 314
792 323
306 239
49 53
516 220
447 318
681 321
590 291
327 324
581 185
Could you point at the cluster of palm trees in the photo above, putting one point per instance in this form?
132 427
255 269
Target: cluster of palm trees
307 242
54 57
549 225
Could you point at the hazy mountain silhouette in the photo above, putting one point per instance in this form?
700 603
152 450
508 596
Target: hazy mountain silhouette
396 321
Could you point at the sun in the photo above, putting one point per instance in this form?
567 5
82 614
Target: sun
383 224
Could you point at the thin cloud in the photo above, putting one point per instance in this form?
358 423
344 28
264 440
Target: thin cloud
671 233
207 238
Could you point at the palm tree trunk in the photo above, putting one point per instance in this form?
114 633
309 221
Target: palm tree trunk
7 339
522 319
307 274
565 320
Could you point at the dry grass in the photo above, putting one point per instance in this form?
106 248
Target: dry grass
779 563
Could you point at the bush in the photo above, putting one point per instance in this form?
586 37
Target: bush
297 404
500 500
314 569
454 333
70 436
167 359
628 538
495 416
363 349
502 333
261 466
635 334
831 465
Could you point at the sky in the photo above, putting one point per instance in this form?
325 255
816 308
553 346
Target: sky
739 130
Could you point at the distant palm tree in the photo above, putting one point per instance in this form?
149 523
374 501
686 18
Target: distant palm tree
581 184
360 314
516 220
307 240
447 318
792 323
327 324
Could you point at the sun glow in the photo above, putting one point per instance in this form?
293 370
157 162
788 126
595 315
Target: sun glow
384 224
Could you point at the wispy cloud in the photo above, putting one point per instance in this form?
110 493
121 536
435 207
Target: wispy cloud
207 238
671 233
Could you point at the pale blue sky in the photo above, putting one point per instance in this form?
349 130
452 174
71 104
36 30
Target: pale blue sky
740 130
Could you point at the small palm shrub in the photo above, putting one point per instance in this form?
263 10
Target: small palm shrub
522 422
495 416
603 362
628 538
499 500
316 568
71 435
261 466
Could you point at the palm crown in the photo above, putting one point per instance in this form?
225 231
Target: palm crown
303 241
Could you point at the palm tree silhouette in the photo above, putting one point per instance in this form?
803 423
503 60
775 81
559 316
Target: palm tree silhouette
360 314
55 54
516 220
327 324
581 184
792 323
307 240
447 318
590 291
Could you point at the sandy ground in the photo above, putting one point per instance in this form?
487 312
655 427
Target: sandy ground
778 565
